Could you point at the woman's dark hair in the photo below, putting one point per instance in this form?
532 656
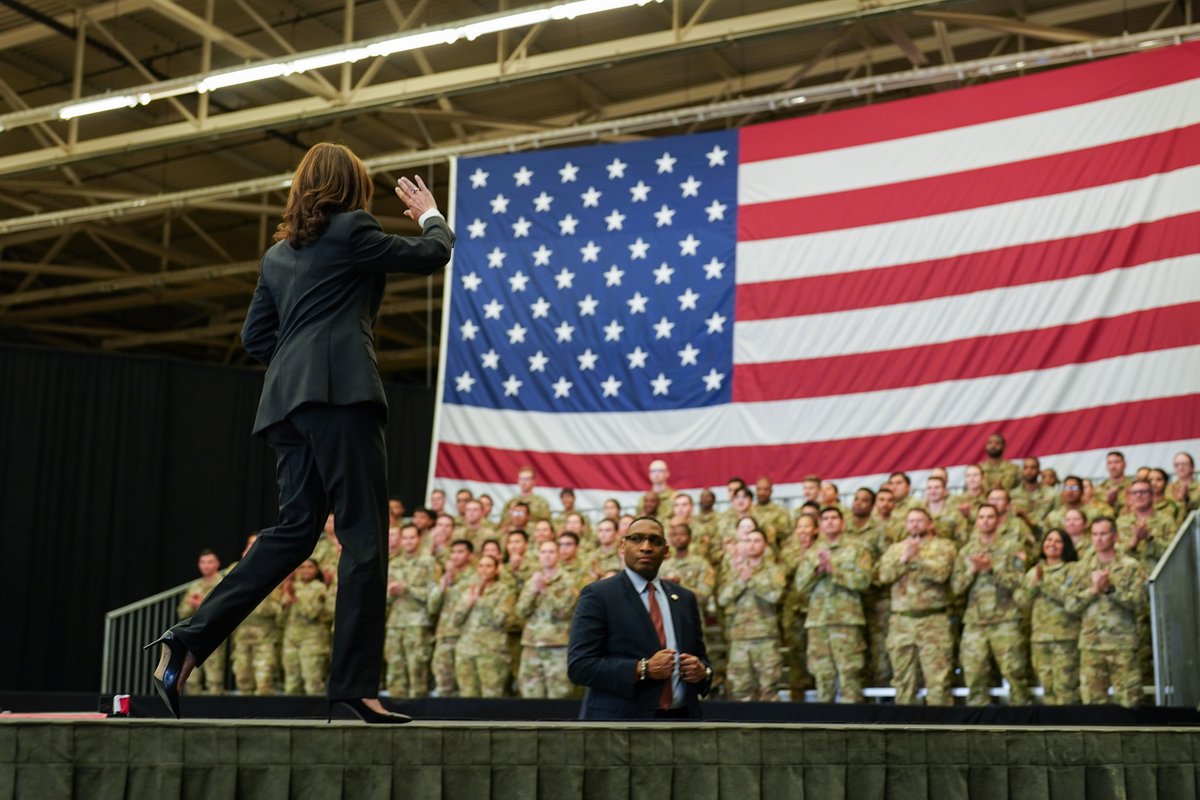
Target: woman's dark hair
1069 551
330 179
320 575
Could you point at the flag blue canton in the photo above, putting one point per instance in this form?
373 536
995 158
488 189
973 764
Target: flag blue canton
595 278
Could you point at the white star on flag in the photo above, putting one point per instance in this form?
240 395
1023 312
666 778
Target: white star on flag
523 176
496 258
716 210
591 198
490 359
492 310
616 169
663 274
638 249
612 331
477 229
716 156
637 359
512 386
610 386
517 282
521 228
615 220
464 382
538 362
562 387
663 328
687 247
540 309
565 279
471 281
690 187
516 333
613 276
664 216
712 381
716 323
688 355
587 306
587 359
499 204
713 269
567 225
637 303
542 202
564 331
478 178
568 172
541 256
661 384
640 192
688 299
590 251
666 163
468 330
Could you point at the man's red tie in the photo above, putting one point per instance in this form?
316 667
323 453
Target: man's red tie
664 700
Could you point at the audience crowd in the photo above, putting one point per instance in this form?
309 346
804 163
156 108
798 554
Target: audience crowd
1019 576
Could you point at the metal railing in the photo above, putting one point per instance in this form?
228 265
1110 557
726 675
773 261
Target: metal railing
125 669
1175 618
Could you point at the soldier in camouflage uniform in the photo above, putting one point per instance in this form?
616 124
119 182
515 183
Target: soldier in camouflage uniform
902 498
559 521
569 560
482 663
256 642
1010 525
1145 533
998 473
973 494
1112 489
1184 489
443 598
1054 637
1108 590
988 571
704 525
750 593
685 567
877 601
1031 501
739 509
948 523
209 676
659 475
475 528
606 557
795 605
408 636
834 574
538 507
306 631
1162 502
461 498
546 605
773 519
917 569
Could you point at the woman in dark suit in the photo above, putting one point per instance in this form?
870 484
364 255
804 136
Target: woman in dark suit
323 412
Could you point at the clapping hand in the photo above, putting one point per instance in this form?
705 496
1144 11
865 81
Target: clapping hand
1100 581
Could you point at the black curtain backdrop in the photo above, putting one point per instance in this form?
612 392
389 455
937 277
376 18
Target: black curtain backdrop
115 471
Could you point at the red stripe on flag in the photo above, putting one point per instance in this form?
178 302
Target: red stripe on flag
1003 354
1159 420
1018 265
1001 100
1038 177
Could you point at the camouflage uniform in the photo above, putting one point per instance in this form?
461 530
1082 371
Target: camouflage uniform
951 525
538 507
1108 634
836 648
919 630
408 637
1162 528
792 613
974 500
482 661
1018 530
1054 640
773 519
992 622
559 521
704 535
752 614
441 606
692 572
666 503
209 676
543 664
1008 473
877 535
1191 500
306 640
1120 485
1054 517
477 536
1036 504
256 647
600 563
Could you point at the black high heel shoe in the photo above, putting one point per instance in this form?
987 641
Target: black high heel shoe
368 714
167 673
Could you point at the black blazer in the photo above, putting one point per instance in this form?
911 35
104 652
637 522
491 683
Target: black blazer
611 631
312 317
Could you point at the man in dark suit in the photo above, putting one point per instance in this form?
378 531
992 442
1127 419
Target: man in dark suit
323 410
636 640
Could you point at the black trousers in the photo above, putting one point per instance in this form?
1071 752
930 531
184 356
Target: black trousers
329 458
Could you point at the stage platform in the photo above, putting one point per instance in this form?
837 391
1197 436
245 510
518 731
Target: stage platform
46 758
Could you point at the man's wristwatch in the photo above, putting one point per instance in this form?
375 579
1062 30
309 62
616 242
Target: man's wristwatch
643 669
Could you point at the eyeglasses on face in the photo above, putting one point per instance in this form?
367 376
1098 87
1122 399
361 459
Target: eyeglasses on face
653 538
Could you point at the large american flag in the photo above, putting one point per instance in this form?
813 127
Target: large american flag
845 294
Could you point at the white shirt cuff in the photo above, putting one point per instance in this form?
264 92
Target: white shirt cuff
431 213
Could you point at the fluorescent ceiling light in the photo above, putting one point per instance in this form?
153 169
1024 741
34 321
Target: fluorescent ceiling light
96 106
248 75
327 59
